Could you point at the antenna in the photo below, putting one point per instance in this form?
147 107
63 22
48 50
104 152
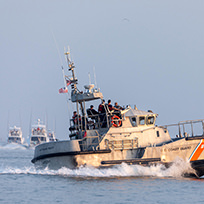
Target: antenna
63 77
89 78
55 125
65 53
70 67
30 127
94 76
56 46
69 60
69 55
46 120
20 119
8 122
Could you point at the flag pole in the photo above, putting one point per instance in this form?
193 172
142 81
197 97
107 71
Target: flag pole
65 85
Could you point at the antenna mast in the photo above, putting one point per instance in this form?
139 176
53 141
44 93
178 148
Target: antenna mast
71 68
94 76
89 78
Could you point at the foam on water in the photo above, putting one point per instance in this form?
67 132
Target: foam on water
12 146
123 170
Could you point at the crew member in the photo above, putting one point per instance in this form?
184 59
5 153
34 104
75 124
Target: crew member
102 114
75 119
92 113
118 107
111 107
101 107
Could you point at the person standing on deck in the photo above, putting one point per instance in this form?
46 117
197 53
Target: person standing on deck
118 107
92 113
102 114
111 107
101 107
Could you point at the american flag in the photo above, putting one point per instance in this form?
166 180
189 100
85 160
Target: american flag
63 90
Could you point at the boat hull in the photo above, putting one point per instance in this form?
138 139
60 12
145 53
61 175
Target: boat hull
71 161
54 155
198 166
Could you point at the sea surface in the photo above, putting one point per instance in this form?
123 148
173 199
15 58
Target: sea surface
21 183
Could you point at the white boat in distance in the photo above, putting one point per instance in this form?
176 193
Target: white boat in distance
15 135
128 136
38 134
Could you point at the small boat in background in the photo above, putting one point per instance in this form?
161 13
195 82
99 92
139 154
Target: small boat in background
15 135
38 134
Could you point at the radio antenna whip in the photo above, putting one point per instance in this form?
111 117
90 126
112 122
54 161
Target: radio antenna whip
94 76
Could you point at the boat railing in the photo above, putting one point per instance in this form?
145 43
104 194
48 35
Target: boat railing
190 129
94 122
90 142
122 144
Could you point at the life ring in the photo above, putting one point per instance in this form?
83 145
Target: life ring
114 122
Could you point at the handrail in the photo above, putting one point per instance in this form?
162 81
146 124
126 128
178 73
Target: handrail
187 122
101 120
93 141
122 144
88 142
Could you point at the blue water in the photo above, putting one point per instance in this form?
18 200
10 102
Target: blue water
21 183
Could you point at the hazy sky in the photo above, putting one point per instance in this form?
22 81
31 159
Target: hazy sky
148 53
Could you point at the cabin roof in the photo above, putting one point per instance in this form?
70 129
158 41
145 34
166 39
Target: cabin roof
38 125
14 128
132 112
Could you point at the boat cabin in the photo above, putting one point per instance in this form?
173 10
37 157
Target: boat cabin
140 118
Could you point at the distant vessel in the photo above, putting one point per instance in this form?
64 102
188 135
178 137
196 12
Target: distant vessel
51 136
15 135
38 134
126 136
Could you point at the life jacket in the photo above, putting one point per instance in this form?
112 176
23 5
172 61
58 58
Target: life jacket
101 108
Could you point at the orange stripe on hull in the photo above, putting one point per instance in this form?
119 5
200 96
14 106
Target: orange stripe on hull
198 151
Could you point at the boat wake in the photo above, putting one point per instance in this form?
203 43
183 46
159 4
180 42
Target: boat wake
13 146
177 170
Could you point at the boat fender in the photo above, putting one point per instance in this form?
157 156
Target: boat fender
114 122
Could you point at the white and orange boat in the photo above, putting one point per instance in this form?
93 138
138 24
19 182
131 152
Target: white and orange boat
128 136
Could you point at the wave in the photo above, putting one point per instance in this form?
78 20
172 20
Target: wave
123 170
13 146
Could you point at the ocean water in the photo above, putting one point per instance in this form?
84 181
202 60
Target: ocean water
21 183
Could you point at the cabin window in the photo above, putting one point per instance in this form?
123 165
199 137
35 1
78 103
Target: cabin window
34 138
42 138
133 121
142 120
14 139
150 120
